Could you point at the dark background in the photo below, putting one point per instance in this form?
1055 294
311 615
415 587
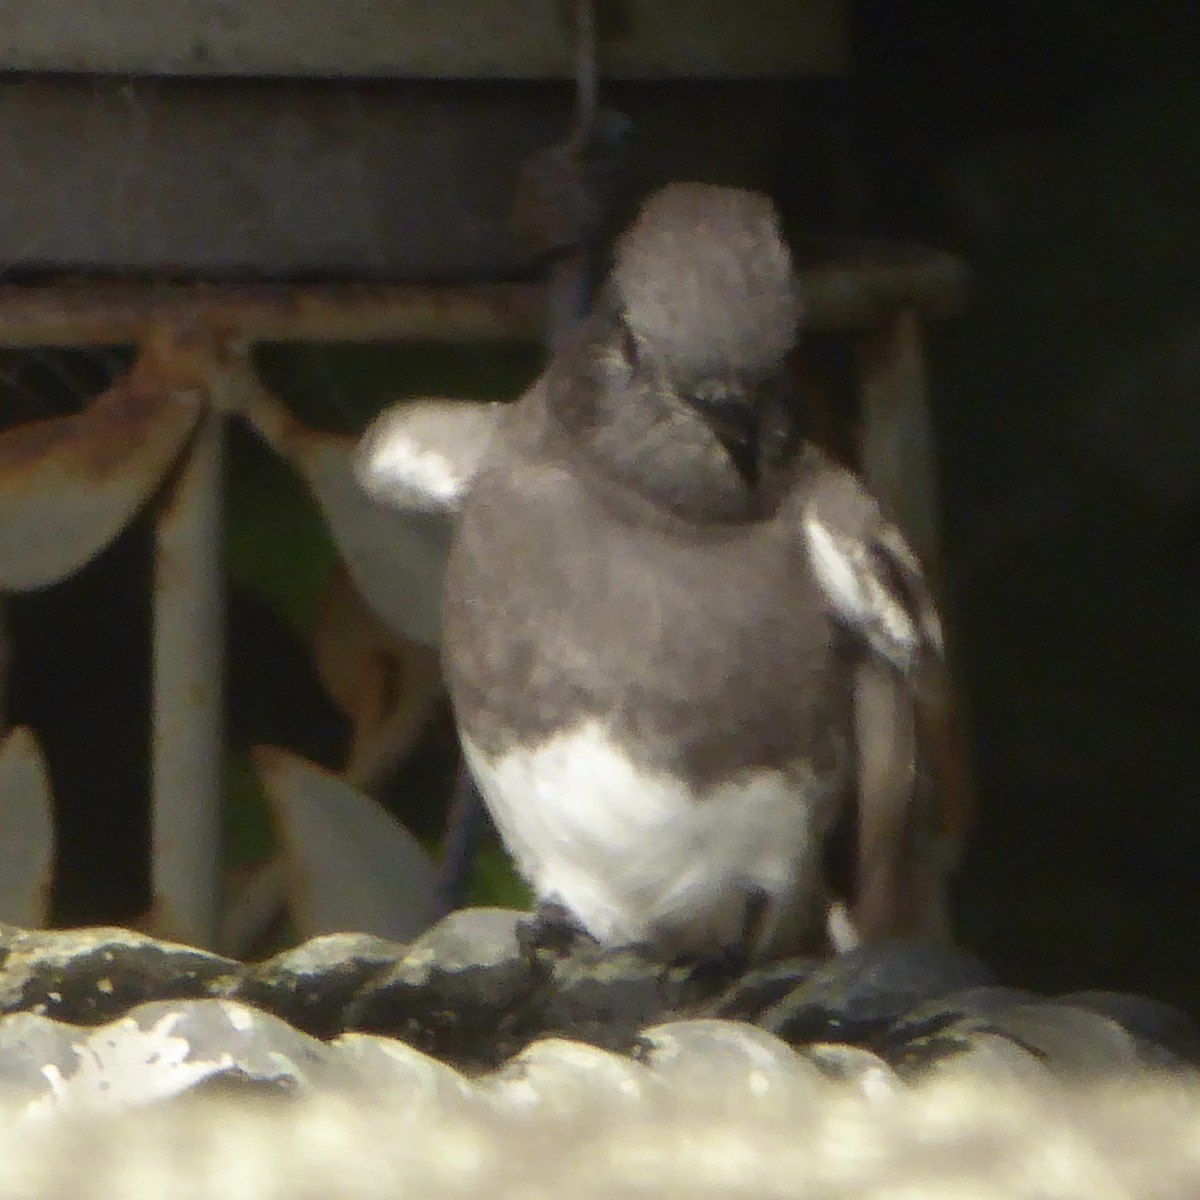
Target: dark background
1055 147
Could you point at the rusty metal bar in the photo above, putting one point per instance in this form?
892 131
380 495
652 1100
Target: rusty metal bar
115 312
897 459
860 284
844 288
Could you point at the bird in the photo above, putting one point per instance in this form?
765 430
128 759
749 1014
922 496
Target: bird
687 652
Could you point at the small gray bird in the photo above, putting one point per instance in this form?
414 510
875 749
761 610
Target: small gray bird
686 653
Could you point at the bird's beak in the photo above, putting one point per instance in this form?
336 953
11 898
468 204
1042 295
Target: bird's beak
737 426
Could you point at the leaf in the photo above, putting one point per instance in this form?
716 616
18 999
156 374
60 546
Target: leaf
349 865
69 485
397 560
26 832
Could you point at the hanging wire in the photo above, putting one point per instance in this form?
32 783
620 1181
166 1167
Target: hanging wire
587 81
571 269
563 192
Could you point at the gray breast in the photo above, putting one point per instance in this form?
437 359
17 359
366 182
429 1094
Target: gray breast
707 649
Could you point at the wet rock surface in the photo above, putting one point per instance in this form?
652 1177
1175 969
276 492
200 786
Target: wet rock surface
856 997
111 1012
86 976
312 985
464 992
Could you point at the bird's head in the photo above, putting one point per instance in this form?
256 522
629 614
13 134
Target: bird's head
691 400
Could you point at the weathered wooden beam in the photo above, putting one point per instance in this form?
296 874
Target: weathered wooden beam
493 39
390 181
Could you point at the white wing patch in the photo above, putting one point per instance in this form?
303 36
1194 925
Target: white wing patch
862 594
874 587
423 456
430 473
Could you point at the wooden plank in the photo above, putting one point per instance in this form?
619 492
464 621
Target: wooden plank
343 179
493 39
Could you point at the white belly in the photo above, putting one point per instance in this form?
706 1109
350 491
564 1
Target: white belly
635 855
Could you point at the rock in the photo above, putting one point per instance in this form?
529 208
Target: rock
1069 1040
966 1046
417 1023
33 1050
856 996
155 1052
87 976
1064 1040
464 991
311 985
971 1008
729 1063
608 996
557 1078
1152 1022
988 1060
386 1071
865 1071
761 988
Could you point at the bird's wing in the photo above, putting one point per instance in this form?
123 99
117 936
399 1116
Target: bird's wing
877 593
422 456
870 577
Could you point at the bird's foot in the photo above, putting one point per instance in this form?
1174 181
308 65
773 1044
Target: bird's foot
716 968
724 963
552 930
